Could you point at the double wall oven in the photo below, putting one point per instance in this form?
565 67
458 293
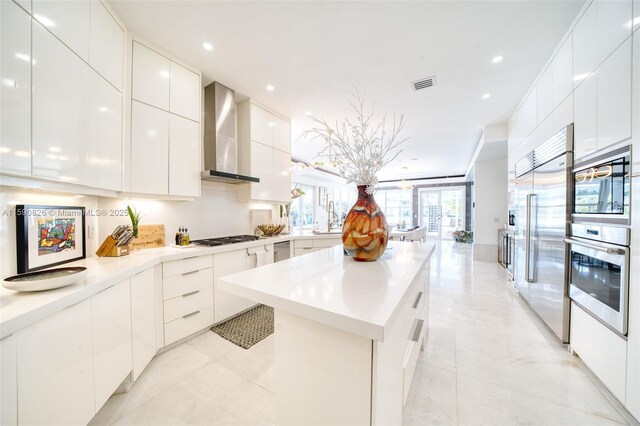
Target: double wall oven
599 238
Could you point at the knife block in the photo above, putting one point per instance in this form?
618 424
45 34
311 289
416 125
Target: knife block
108 248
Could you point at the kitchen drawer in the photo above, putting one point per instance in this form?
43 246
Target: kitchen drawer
303 244
178 267
188 324
187 282
411 356
187 303
327 242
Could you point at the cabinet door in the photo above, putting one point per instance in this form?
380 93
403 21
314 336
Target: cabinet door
60 105
150 77
149 149
143 320
15 91
584 115
614 25
8 382
281 134
585 38
262 167
103 143
614 97
106 45
68 20
562 68
184 156
111 326
544 94
281 176
528 114
563 114
227 304
185 92
55 369
261 126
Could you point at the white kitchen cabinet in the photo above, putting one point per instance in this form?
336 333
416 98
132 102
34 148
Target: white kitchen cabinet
103 141
185 90
262 167
149 149
111 328
59 112
544 94
55 369
585 42
151 77
188 324
562 116
585 133
545 130
614 22
614 97
15 91
143 320
528 114
67 20
184 156
106 45
227 304
281 177
262 123
25 4
636 15
311 245
8 381
281 134
562 69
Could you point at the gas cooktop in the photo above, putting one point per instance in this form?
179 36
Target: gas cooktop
220 241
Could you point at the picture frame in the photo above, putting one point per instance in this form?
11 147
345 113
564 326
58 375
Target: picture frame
322 196
49 235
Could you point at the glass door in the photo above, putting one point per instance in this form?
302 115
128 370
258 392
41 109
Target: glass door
442 211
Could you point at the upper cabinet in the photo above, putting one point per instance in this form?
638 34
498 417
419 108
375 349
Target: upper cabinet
15 91
165 125
106 45
544 94
150 77
585 39
69 21
264 151
562 69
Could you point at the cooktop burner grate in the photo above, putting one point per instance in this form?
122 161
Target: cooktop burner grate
220 241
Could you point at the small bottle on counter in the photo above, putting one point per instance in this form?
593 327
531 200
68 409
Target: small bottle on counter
185 237
178 236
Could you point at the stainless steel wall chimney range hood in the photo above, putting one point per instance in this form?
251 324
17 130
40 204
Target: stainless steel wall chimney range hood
220 144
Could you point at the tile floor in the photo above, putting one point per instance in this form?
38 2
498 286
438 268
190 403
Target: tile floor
488 360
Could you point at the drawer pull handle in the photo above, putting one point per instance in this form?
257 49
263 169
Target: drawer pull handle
190 272
191 314
191 293
417 331
417 301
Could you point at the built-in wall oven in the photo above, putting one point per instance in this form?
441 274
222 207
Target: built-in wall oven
599 272
603 188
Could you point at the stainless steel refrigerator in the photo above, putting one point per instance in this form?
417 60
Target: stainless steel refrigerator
543 187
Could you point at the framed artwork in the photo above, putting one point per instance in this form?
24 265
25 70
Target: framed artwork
48 236
322 196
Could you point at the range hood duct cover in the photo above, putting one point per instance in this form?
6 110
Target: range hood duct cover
220 143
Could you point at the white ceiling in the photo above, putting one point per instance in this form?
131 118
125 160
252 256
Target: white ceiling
313 52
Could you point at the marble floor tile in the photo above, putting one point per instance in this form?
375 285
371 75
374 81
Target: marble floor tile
433 397
255 364
211 344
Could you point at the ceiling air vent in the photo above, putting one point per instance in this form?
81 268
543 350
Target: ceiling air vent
424 83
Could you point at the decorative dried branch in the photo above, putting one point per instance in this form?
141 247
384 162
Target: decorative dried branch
358 148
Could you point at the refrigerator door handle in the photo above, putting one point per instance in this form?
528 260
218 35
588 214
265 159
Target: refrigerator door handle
528 252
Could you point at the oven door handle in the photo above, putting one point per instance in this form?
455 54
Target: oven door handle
607 250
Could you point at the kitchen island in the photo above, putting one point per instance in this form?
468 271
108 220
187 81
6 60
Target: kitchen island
347 334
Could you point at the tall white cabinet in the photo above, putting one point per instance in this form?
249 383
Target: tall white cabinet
165 125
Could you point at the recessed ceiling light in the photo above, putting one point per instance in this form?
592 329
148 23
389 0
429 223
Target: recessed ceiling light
497 59
207 46
307 113
270 87
486 96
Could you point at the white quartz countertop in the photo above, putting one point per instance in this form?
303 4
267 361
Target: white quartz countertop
20 309
328 287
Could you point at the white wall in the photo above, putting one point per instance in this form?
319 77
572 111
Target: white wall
490 212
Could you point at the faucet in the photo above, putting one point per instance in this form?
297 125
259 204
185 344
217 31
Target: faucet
330 213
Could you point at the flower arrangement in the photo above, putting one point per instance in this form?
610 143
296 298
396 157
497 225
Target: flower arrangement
358 147
462 236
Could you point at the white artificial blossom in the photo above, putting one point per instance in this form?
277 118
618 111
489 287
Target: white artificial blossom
358 147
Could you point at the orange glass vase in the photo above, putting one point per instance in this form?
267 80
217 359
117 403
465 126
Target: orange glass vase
365 232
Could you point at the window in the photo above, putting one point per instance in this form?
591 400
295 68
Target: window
343 200
397 205
302 208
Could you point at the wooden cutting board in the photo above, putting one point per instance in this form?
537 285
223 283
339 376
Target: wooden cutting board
149 236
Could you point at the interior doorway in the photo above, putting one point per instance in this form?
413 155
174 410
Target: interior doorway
442 210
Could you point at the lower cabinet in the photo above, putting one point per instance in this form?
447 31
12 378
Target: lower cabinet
111 329
8 382
227 304
143 320
55 369
301 247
